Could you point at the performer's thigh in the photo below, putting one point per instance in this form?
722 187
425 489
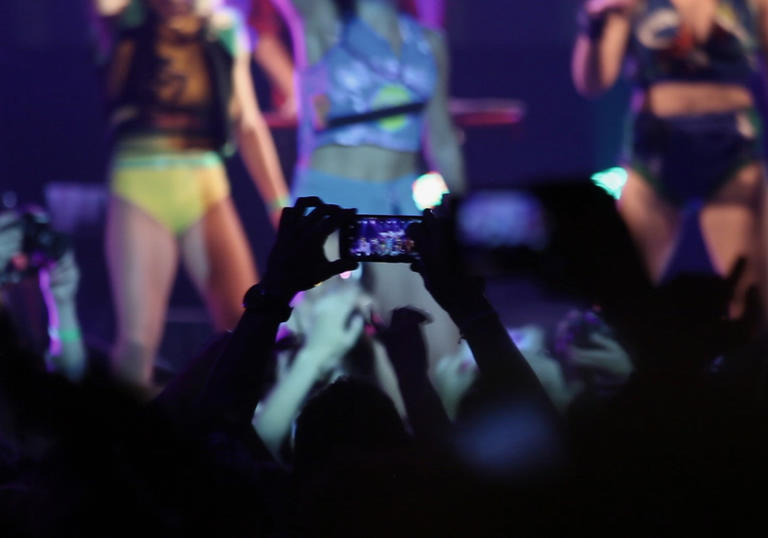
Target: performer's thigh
219 261
653 222
733 226
142 256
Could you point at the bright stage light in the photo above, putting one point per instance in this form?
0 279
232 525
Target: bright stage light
428 190
611 180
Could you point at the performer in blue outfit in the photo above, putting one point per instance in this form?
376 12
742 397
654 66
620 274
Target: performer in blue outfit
696 136
372 100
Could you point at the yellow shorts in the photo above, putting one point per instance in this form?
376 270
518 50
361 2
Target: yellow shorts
176 188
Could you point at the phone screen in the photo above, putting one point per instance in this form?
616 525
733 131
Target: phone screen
378 238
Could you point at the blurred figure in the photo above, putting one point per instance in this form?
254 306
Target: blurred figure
58 277
696 145
272 55
180 84
373 97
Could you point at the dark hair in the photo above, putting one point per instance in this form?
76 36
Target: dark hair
349 415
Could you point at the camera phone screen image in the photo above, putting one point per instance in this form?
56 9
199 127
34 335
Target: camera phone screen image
380 238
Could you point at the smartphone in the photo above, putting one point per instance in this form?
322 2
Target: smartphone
378 238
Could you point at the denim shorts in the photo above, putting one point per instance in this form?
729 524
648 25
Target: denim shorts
688 159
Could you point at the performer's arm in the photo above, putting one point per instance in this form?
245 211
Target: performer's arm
313 25
762 23
442 143
601 45
257 148
271 55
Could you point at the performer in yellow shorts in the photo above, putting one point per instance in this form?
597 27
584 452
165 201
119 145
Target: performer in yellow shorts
179 81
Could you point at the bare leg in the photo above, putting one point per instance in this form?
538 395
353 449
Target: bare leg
732 227
653 222
142 257
218 259
395 285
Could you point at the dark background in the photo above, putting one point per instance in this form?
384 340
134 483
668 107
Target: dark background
52 122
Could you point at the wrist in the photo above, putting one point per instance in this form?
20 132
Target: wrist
65 305
592 26
65 335
277 203
264 297
315 360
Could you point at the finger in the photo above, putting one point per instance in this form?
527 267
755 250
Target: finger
591 357
418 267
417 233
305 202
734 276
333 219
291 215
354 327
605 341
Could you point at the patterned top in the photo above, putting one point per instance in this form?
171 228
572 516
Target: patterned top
664 48
343 94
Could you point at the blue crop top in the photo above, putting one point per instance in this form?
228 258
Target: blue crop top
664 49
362 93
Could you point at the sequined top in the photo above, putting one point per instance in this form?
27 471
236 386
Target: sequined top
664 48
344 94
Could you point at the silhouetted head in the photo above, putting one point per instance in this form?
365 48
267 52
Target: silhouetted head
349 417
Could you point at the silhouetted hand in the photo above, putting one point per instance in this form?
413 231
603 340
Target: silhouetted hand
336 326
297 261
686 322
405 345
61 277
442 269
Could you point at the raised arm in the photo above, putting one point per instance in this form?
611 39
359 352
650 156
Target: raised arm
408 354
313 25
601 45
442 143
504 371
297 262
334 331
257 148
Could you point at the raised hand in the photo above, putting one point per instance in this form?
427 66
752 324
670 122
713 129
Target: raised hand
62 277
408 354
336 325
607 359
441 266
297 261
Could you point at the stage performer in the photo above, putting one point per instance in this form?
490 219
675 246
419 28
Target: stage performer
696 144
372 98
182 101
